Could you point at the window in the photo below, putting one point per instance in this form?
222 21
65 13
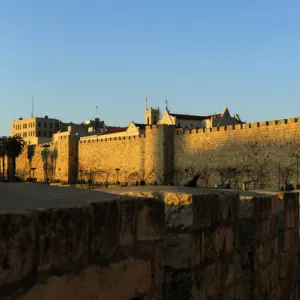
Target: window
179 125
148 120
45 133
39 124
45 125
154 120
39 133
50 125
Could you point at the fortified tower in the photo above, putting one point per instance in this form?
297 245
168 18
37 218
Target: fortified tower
159 153
151 114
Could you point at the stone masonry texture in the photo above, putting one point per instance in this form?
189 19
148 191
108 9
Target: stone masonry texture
147 243
79 246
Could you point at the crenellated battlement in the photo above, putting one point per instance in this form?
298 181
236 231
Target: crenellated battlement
254 125
100 139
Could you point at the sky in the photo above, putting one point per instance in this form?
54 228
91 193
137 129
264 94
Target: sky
72 56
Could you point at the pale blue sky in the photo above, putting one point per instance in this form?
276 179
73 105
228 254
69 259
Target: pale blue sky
201 55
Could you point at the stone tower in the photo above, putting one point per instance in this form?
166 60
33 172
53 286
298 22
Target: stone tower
151 114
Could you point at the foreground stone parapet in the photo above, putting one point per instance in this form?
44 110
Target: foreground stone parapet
98 249
201 257
268 230
62 243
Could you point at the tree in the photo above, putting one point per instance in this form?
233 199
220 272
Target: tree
286 174
3 143
227 174
14 148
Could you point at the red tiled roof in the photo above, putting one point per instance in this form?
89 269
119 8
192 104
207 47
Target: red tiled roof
191 117
116 130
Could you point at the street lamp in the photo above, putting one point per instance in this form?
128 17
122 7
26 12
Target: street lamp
33 169
45 146
80 171
117 170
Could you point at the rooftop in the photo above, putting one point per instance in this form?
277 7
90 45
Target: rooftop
193 117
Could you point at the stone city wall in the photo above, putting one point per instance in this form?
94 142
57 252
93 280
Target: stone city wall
268 148
264 152
61 156
137 157
109 250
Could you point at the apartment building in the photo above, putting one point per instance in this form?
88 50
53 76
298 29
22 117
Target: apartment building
35 127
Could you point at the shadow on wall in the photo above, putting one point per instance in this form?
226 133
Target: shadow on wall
49 159
111 176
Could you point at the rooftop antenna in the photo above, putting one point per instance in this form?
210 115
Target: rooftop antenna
166 101
32 107
96 111
146 101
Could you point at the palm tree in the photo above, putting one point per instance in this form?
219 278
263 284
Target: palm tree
2 155
14 148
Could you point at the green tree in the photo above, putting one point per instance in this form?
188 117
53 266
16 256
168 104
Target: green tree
3 142
14 148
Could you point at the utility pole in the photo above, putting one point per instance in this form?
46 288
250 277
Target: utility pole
32 107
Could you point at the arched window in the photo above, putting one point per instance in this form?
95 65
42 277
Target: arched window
148 120
179 125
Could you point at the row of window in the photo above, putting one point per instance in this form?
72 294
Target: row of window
32 125
45 134
39 134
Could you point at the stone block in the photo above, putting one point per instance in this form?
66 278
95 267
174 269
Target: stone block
157 265
63 238
183 250
150 220
127 221
105 227
18 241
214 209
97 282
230 271
182 284
208 279
264 207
